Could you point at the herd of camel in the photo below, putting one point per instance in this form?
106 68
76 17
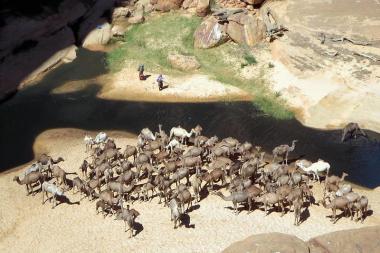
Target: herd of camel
183 167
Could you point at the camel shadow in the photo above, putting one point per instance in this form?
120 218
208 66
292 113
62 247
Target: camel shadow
146 77
203 193
193 208
185 220
63 199
305 214
138 228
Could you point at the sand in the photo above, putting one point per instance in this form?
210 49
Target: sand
29 226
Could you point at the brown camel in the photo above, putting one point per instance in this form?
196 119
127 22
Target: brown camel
29 180
283 150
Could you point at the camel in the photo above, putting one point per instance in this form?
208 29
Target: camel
316 168
163 136
145 190
130 151
352 130
179 174
79 184
184 196
29 180
59 173
89 142
172 145
83 168
341 203
193 152
335 179
361 206
283 150
37 166
181 133
53 189
297 204
101 137
344 189
197 130
103 207
128 216
213 177
175 211
270 199
196 183
153 146
200 141
237 197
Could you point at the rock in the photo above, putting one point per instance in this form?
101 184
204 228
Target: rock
39 56
236 32
254 30
189 4
203 8
353 240
166 5
71 54
99 36
121 13
138 15
266 243
118 30
246 29
92 18
254 2
210 34
183 62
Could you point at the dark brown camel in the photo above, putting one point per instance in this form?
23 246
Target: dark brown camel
352 130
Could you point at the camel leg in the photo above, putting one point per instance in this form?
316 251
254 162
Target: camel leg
43 198
27 190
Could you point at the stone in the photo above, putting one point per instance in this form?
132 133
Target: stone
98 36
183 62
187 4
118 30
210 34
353 240
203 8
254 2
254 29
267 243
138 15
166 5
71 54
236 32
121 13
42 55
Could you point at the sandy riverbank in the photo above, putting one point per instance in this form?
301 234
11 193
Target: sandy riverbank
76 228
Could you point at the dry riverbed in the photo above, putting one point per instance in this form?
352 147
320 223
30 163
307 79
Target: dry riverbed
29 226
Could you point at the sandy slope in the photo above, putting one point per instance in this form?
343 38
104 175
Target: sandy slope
28 226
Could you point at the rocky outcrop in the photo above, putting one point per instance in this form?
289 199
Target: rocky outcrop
189 4
210 33
203 8
353 241
166 5
183 62
273 242
44 54
246 29
138 15
99 36
31 44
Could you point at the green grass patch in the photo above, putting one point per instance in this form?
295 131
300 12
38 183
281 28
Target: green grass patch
151 42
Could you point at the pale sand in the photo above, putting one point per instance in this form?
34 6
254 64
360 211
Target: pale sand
29 226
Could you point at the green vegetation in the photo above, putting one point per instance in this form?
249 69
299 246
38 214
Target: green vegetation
152 41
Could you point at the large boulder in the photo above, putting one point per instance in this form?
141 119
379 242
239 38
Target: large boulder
267 243
210 34
203 8
121 13
138 15
183 62
99 36
166 5
353 241
189 4
246 29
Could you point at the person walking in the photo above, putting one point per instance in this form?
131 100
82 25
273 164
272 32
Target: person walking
141 72
160 82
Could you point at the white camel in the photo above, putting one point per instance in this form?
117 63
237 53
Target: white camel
89 141
316 168
147 135
172 144
54 190
100 138
181 133
37 166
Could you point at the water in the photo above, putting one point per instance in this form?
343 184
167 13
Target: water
36 109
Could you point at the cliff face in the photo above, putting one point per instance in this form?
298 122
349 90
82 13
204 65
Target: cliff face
35 38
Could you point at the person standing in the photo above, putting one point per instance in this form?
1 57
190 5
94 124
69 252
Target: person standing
160 82
141 72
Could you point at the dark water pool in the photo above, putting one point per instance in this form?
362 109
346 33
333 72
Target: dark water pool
35 110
